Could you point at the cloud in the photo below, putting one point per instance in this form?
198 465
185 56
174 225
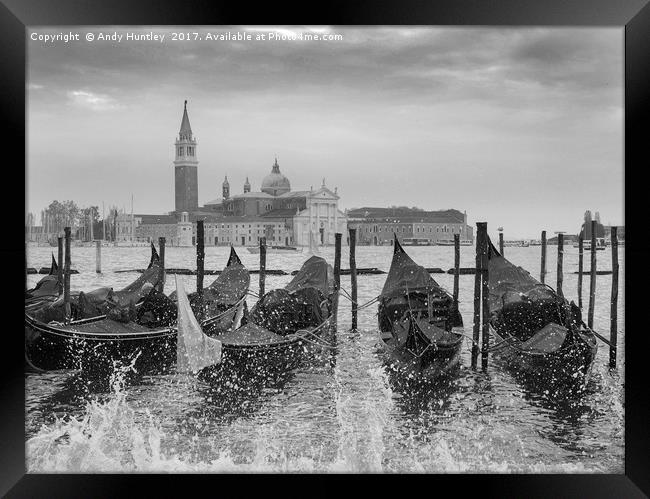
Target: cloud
461 107
95 102
34 86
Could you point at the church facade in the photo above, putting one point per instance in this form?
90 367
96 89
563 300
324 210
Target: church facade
284 217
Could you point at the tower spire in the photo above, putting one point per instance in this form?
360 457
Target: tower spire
186 130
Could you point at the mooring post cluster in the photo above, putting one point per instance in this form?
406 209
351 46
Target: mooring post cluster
592 282
613 335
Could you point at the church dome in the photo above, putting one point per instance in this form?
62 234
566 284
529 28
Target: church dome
275 183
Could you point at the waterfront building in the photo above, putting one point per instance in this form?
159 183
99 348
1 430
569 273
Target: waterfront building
377 226
146 228
275 209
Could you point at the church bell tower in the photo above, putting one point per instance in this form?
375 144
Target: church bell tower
185 168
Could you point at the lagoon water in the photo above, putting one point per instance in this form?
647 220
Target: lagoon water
340 413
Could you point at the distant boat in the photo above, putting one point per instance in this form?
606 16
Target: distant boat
517 243
272 249
450 242
414 241
586 245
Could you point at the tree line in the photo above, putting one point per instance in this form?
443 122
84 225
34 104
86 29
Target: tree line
86 223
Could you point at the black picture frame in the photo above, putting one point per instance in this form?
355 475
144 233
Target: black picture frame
631 15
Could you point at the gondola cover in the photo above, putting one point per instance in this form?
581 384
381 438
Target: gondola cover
301 304
520 304
405 276
314 273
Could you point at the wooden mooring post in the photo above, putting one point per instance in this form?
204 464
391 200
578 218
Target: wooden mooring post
592 277
337 281
59 276
161 253
501 242
200 257
456 268
613 332
66 275
485 295
98 256
353 276
560 258
580 269
542 273
477 294
262 266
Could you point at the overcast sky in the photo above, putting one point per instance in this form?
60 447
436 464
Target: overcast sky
521 127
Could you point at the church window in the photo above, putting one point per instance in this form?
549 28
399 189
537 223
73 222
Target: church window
180 151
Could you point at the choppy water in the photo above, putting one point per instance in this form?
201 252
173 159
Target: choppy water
339 414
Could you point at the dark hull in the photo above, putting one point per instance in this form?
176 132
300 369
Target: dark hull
49 347
434 363
565 370
244 366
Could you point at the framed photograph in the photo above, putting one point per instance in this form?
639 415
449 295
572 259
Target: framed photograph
386 241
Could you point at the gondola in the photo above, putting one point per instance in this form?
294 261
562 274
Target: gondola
538 334
277 332
95 303
142 336
421 328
